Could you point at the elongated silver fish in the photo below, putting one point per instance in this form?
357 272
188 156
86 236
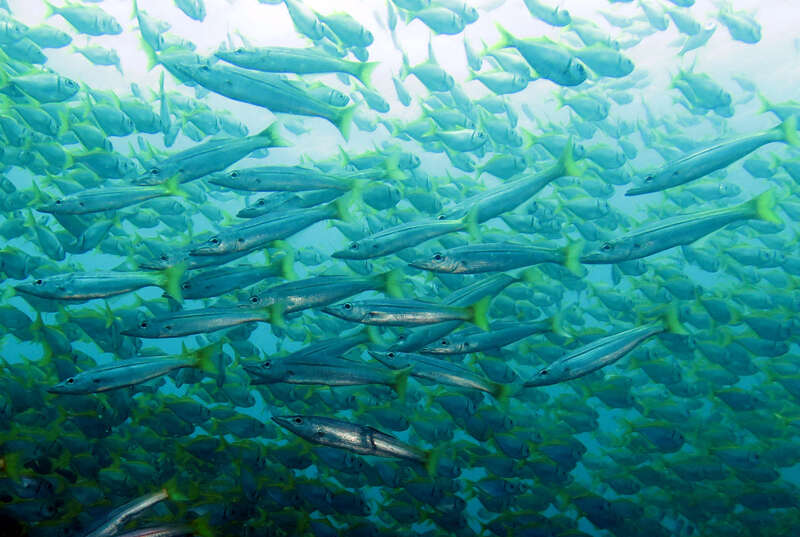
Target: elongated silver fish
713 158
498 257
108 198
405 312
402 236
120 516
360 439
602 352
81 286
439 371
683 229
499 335
197 321
325 370
133 371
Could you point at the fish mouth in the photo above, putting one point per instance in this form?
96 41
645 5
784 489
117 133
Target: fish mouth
344 254
49 209
283 421
637 190
205 250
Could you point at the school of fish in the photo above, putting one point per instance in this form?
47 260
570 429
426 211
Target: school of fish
490 322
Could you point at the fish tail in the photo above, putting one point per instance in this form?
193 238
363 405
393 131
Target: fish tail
171 282
390 283
150 53
10 465
49 9
431 460
506 39
275 139
400 382
501 392
566 161
673 322
766 106
557 325
172 187
344 206
764 206
479 313
373 335
471 222
364 72
275 315
345 121
135 10
204 357
572 257
287 261
172 491
405 68
392 167
529 139
789 128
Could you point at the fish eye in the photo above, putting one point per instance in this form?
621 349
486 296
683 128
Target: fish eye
163 257
543 372
185 285
437 257
444 342
70 380
144 324
649 179
58 202
390 355
38 282
260 203
234 173
155 171
213 240
347 306
298 420
267 364
354 246
239 50
254 300
607 246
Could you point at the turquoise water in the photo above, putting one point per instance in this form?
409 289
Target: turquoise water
686 434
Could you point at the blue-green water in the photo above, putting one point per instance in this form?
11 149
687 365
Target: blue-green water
689 433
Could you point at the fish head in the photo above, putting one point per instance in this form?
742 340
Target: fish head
561 16
302 426
67 87
337 98
392 359
545 377
366 37
72 385
60 206
608 252
149 328
215 245
42 288
438 262
652 182
349 311
362 249
576 71
110 26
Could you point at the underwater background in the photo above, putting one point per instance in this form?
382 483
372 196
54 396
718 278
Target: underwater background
222 217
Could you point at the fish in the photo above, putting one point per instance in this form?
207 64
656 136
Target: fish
209 157
301 61
677 230
408 312
499 256
602 352
700 164
131 372
360 439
